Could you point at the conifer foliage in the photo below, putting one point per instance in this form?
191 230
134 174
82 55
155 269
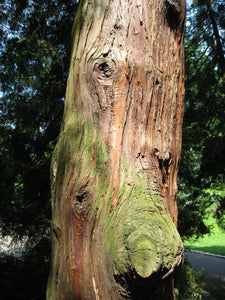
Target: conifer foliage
35 54
34 60
202 169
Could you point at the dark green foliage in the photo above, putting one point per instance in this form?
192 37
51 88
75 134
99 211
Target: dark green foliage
35 45
35 54
195 285
189 282
26 278
202 169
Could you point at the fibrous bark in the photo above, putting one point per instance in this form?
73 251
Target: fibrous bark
114 169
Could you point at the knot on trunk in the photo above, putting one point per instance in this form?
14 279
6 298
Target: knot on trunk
105 70
82 200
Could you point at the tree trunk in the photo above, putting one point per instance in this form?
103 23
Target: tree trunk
114 169
219 45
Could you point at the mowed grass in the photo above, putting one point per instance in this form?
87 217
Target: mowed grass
211 243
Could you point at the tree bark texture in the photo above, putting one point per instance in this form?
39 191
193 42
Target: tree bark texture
114 169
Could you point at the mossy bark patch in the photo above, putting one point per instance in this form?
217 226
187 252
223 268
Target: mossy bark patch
144 239
142 251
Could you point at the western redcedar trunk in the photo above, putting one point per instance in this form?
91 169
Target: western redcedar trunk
114 169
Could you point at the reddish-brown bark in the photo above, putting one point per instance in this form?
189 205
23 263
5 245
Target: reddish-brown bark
114 169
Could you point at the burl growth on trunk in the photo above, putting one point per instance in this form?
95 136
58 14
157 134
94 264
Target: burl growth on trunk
114 169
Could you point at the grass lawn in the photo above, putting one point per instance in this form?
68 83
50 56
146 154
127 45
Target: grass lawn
212 243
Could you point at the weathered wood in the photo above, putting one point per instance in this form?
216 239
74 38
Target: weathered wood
114 169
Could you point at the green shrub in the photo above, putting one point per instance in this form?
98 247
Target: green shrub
188 282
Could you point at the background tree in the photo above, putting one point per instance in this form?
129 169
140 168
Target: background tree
33 81
35 53
115 165
201 176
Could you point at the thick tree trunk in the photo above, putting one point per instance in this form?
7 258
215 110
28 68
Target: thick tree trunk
114 169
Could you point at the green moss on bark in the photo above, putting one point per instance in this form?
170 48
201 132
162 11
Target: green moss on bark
141 234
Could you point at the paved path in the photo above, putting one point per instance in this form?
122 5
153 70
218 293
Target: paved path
213 266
